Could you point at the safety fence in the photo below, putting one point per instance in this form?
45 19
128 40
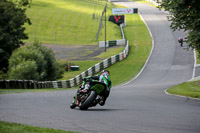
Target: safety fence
25 84
92 70
31 84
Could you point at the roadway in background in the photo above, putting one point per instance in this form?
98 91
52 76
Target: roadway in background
141 106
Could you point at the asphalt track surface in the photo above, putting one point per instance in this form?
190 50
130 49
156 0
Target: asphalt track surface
141 106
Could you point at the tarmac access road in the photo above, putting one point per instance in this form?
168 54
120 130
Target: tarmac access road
140 106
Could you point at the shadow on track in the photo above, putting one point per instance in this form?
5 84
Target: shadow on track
100 109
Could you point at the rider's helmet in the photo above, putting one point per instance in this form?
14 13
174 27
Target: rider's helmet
105 72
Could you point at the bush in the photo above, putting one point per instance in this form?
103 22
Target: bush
25 70
3 75
52 68
39 59
27 53
61 70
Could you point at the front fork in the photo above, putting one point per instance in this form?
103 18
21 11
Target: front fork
84 87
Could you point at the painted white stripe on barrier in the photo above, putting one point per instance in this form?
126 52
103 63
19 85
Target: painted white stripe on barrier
90 71
105 63
102 44
77 79
71 81
64 84
83 75
120 56
97 67
113 59
55 84
121 42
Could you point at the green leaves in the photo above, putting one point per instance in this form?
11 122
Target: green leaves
185 14
12 20
25 70
34 62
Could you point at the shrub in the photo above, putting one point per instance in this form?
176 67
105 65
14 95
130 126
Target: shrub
62 68
25 70
38 58
51 67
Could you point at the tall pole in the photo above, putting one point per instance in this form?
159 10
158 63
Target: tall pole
105 26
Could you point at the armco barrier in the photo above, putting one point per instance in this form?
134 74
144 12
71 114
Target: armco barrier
92 70
31 84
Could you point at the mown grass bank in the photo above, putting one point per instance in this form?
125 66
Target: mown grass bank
190 89
140 46
71 22
6 127
85 64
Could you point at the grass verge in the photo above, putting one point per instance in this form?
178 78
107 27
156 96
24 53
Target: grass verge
84 65
6 127
140 46
190 89
197 57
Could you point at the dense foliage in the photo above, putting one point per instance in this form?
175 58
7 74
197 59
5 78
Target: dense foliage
33 62
185 14
12 19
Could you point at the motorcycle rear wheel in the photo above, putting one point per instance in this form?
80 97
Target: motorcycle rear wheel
86 104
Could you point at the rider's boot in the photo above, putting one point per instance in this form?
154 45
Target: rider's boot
102 101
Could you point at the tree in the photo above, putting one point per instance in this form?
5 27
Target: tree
24 55
185 14
12 20
52 65
25 70
40 60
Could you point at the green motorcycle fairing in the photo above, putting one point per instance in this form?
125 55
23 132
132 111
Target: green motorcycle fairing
98 87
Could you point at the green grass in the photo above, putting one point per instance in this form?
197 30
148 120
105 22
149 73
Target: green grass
6 127
190 89
198 58
84 65
137 34
68 22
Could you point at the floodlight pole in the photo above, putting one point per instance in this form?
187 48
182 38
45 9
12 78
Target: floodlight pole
105 26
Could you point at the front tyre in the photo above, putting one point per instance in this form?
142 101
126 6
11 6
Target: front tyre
86 104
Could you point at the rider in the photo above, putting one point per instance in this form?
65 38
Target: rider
104 77
180 40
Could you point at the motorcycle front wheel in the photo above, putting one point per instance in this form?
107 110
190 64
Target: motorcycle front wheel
86 104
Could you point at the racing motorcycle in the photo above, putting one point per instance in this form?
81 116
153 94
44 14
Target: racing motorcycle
89 97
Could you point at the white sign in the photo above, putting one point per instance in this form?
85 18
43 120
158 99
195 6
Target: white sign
122 11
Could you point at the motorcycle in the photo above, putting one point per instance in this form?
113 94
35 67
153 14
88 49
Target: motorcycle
89 97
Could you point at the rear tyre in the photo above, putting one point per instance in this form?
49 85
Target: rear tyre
86 104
